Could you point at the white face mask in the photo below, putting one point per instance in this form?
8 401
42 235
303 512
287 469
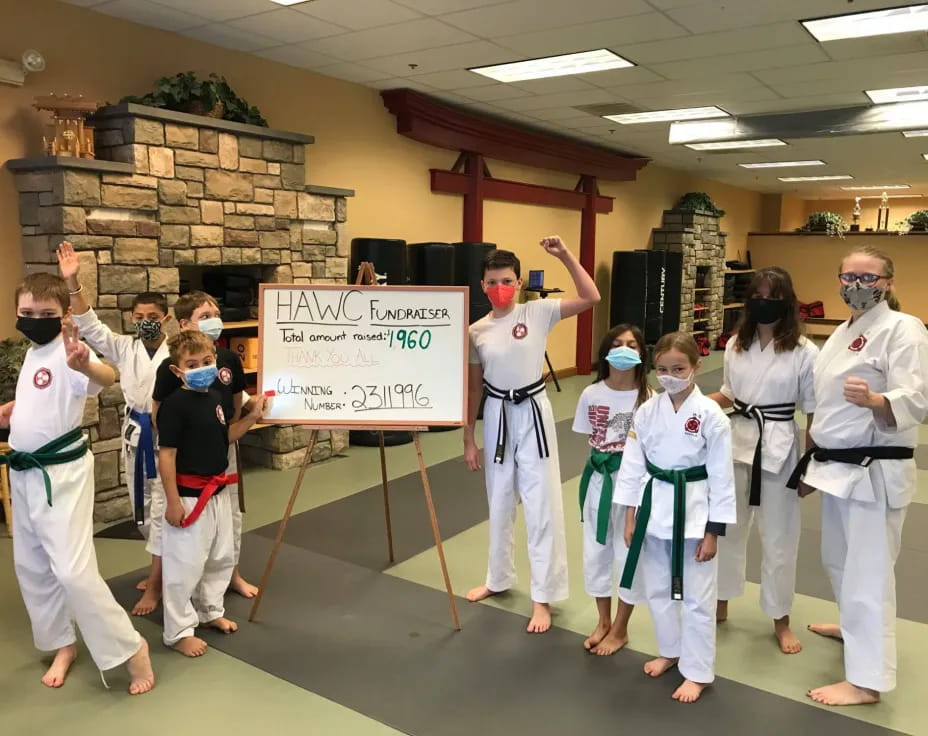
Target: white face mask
673 385
211 327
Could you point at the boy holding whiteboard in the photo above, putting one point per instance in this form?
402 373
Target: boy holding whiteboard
507 352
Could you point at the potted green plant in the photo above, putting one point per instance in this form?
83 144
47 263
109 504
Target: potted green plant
918 221
830 223
12 354
212 97
699 202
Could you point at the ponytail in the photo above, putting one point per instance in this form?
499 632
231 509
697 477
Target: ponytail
892 300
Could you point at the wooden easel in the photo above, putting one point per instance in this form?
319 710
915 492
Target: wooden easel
366 275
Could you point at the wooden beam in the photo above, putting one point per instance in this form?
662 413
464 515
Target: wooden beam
584 356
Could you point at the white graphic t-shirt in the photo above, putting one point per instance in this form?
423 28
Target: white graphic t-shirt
606 416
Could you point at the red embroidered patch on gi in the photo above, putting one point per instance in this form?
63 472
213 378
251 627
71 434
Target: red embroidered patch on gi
225 375
220 414
42 378
692 425
520 331
858 344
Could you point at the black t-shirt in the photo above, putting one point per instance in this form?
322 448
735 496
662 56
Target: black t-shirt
195 424
229 383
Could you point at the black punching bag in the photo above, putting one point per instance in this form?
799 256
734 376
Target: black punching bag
430 264
387 254
468 271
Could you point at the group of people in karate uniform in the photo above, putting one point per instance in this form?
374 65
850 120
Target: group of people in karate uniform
673 484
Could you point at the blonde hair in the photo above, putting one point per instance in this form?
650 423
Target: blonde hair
868 250
680 341
189 342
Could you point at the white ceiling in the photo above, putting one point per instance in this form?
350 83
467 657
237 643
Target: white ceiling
746 56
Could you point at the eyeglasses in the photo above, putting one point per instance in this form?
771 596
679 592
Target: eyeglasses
864 278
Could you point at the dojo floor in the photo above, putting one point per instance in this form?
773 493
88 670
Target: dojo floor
348 644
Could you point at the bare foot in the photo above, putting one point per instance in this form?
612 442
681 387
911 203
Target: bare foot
612 643
141 675
148 602
689 691
242 586
541 618
844 693
832 631
59 670
142 584
599 633
721 611
479 593
659 665
191 646
223 624
789 642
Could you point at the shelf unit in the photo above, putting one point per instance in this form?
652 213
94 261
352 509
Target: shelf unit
733 305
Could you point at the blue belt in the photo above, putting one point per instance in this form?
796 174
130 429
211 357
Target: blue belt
145 453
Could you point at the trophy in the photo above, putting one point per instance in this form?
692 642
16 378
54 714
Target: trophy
882 215
68 135
855 227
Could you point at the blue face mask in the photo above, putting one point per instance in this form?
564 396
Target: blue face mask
200 378
211 327
623 358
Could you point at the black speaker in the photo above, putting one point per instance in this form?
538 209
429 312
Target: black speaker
430 264
468 271
673 289
629 287
388 256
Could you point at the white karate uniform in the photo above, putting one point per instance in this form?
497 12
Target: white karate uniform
511 351
697 434
53 552
606 416
236 509
762 377
137 379
863 508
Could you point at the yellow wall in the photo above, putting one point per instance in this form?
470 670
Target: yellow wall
814 260
356 147
899 209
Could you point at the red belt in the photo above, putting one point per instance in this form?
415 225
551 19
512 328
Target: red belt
209 485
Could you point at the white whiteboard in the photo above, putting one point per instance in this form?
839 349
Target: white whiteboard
360 356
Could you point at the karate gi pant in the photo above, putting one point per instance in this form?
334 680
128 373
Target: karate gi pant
537 481
56 565
153 495
197 567
602 563
860 544
779 523
685 629
232 491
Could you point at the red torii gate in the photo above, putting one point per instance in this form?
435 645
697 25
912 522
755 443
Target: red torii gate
477 138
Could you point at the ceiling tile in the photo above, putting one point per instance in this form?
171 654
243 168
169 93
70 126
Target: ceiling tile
451 97
558 113
797 57
358 15
425 33
708 85
797 104
298 54
874 79
286 26
219 9
620 77
148 14
859 48
437 7
540 102
349 72
554 84
723 15
495 92
528 16
454 79
231 38
84 3
400 83
845 69
459 56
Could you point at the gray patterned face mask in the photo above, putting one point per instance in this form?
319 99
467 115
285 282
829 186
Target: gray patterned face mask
861 298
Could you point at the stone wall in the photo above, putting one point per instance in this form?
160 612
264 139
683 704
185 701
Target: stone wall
697 236
167 191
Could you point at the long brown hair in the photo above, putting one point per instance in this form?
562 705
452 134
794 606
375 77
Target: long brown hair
682 342
788 330
868 250
641 371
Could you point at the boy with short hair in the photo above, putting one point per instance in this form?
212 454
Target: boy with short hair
53 493
136 357
198 311
198 549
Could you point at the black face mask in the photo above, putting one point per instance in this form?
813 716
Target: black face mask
766 311
41 330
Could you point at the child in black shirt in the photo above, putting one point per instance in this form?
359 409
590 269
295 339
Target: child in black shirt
197 546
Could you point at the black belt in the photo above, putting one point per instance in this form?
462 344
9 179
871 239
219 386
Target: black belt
517 396
761 415
862 456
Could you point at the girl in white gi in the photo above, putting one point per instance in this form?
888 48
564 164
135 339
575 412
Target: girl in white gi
507 352
605 412
677 472
136 357
767 374
53 489
871 380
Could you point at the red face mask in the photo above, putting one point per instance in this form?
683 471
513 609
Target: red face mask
501 295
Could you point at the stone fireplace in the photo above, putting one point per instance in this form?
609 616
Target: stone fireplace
696 235
167 193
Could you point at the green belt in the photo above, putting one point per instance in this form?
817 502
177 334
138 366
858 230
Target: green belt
605 463
679 479
51 454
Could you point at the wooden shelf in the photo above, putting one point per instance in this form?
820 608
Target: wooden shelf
247 324
698 332
251 371
740 270
703 288
734 305
701 309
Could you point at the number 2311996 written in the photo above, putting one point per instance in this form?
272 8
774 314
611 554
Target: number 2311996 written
391 396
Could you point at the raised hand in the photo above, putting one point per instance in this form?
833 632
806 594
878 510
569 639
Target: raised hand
78 354
68 263
554 246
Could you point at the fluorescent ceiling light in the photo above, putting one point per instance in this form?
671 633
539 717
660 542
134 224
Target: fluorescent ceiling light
891 196
554 66
877 186
914 133
290 2
897 94
663 116
875 23
925 156
735 145
781 164
832 177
